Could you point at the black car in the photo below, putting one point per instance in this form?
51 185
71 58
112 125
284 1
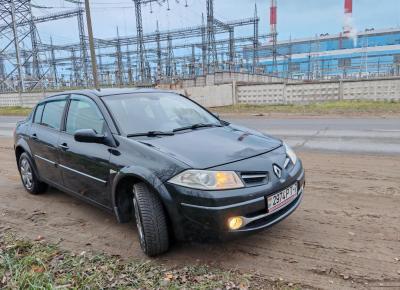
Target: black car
160 158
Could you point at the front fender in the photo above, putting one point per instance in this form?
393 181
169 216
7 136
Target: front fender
154 182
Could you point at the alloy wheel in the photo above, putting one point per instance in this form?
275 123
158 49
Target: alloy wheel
26 174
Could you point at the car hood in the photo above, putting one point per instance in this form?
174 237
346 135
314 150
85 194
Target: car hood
209 147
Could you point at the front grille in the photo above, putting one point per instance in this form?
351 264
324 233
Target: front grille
254 178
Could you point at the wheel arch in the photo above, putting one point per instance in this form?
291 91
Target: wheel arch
131 175
23 147
120 192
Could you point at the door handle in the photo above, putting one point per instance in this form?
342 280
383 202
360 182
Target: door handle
34 136
64 146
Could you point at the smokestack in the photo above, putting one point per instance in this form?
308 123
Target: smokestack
273 20
348 6
273 17
348 16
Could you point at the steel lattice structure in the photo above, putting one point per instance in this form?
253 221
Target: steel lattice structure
160 56
19 54
25 62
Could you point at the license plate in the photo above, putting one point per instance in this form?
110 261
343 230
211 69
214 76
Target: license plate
282 198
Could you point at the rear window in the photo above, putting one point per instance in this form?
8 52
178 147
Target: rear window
52 114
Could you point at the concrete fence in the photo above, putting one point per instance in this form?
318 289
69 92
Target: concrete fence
274 93
299 93
220 78
211 96
25 100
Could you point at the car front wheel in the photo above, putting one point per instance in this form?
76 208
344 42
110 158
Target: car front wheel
28 176
151 220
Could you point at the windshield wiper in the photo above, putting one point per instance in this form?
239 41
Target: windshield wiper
196 126
151 134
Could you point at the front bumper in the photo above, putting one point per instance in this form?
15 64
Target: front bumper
204 214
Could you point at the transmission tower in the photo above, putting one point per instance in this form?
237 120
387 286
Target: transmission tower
18 37
204 45
83 45
159 54
255 40
53 64
120 67
212 57
140 43
170 55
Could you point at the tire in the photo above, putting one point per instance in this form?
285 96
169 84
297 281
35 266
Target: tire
29 178
151 220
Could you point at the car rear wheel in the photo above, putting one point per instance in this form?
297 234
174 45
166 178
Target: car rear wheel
28 176
151 220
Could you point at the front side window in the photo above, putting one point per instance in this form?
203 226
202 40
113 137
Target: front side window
52 114
83 113
137 113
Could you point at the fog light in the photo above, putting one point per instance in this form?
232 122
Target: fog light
235 223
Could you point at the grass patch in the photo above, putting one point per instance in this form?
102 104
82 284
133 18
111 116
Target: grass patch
336 107
14 111
38 265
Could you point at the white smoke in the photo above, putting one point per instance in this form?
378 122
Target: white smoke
350 29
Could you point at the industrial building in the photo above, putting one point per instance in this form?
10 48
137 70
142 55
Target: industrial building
372 53
178 56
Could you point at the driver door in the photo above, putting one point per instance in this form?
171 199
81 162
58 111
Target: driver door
85 167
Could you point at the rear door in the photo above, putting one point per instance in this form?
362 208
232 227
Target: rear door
43 138
85 167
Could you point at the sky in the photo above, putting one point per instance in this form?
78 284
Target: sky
296 18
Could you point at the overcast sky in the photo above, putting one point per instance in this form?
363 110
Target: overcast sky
296 18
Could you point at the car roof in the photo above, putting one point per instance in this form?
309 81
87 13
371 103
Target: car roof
112 91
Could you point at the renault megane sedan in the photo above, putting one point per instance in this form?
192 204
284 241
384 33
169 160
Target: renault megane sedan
160 159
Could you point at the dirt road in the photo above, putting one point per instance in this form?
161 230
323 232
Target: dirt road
346 234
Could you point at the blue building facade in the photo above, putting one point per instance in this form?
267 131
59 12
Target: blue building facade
367 54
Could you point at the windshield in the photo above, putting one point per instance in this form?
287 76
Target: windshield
138 113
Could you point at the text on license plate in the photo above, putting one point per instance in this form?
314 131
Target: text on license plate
282 198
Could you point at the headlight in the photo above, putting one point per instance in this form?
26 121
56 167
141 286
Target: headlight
290 153
208 180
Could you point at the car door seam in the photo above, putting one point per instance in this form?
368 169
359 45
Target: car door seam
84 174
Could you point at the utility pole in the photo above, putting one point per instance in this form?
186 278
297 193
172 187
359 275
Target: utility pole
91 44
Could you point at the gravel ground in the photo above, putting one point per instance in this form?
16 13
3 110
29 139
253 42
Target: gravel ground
346 233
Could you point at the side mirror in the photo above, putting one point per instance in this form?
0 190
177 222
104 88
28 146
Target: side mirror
89 136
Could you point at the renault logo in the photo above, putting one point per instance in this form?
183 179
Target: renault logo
277 171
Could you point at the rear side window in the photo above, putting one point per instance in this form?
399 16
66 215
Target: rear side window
38 114
52 114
